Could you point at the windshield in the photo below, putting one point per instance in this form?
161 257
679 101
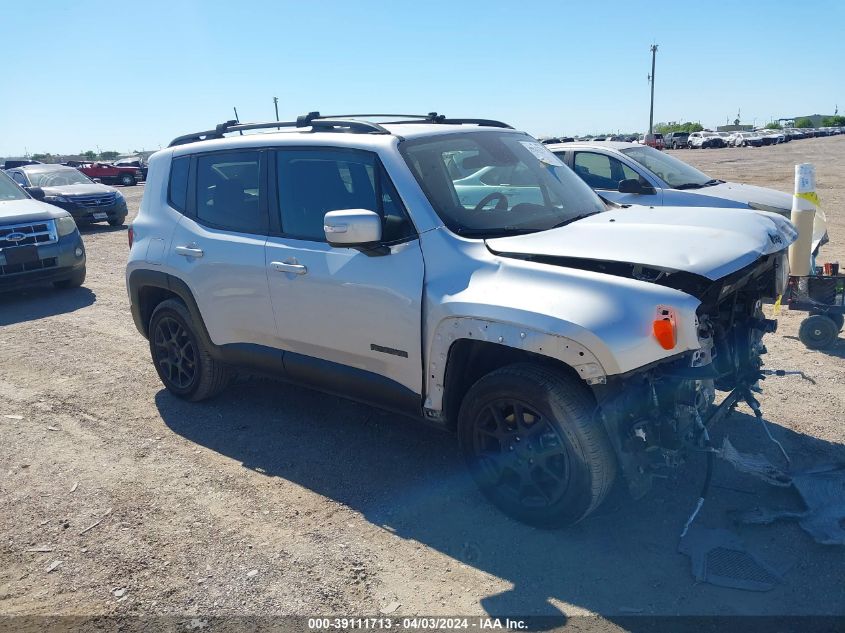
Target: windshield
486 184
672 171
57 178
9 190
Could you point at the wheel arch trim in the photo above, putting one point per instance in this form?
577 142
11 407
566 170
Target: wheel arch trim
453 329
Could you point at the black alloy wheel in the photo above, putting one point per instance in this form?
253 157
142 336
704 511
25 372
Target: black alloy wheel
521 453
175 354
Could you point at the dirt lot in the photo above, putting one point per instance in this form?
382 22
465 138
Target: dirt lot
278 500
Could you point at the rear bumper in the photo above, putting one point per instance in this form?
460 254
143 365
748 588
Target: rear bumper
55 262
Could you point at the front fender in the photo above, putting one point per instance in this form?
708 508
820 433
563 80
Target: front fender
452 329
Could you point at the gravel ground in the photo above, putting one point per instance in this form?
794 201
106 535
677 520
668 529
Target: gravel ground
278 500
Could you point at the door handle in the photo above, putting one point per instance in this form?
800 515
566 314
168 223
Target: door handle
189 251
285 267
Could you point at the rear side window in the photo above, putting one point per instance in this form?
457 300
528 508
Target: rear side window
228 193
178 187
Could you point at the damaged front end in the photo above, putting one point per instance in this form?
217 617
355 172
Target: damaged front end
656 414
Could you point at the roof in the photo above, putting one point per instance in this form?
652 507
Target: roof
45 167
359 125
617 145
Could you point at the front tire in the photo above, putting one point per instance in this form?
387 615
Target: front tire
533 445
117 220
182 361
127 180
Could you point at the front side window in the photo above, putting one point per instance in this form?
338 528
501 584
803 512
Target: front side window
484 184
8 189
228 192
19 178
601 171
313 182
675 173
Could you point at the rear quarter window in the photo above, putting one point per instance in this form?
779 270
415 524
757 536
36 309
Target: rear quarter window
177 188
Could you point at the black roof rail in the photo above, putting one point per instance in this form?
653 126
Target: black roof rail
353 123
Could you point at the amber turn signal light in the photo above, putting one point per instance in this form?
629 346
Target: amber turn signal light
664 332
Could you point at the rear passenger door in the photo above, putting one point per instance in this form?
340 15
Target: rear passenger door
218 246
348 318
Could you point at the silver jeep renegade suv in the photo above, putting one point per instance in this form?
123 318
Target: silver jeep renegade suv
455 270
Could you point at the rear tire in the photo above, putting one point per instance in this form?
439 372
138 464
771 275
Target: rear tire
533 445
182 360
74 281
837 317
818 332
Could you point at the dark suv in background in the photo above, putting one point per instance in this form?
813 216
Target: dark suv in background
68 188
39 243
676 140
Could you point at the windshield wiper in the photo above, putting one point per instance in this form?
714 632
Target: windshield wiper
699 185
496 232
573 219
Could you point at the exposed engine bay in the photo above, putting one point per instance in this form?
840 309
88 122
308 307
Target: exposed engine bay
656 414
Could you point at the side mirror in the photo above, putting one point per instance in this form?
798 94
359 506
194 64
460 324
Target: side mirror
36 192
352 227
97 180
633 185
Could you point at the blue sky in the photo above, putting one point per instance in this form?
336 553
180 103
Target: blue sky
132 75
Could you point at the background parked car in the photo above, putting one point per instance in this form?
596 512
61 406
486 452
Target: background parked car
133 161
73 191
654 140
703 140
676 140
38 242
746 139
628 173
11 164
112 174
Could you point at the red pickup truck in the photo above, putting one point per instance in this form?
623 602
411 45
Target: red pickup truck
111 174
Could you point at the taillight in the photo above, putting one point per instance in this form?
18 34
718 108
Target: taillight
130 234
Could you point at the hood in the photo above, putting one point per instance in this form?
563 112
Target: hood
28 210
91 189
737 195
711 243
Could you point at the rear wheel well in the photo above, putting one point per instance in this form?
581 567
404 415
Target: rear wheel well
148 298
469 360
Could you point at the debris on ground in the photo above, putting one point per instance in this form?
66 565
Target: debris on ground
719 557
54 565
96 523
756 465
390 608
823 492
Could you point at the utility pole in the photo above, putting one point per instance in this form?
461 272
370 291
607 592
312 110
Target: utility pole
651 79
276 105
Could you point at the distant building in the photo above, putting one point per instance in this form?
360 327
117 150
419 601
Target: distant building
815 118
734 128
